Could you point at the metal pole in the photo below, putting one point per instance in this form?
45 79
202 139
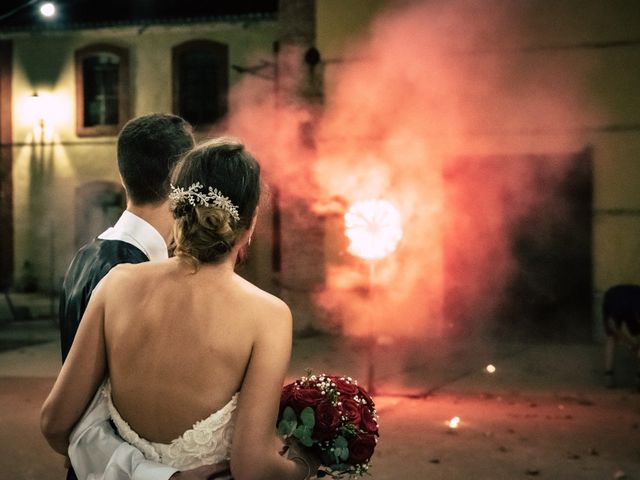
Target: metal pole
372 339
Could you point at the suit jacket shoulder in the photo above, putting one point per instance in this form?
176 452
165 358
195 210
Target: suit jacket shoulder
90 264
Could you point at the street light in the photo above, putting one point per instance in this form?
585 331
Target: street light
48 9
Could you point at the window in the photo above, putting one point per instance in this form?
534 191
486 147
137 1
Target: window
200 81
102 90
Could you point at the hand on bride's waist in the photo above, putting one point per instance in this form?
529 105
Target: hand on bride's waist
293 451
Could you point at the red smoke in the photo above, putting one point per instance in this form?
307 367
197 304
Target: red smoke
411 115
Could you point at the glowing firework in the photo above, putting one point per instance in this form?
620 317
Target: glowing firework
490 368
454 422
373 228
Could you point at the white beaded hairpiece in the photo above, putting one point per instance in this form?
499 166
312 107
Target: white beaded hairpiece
214 198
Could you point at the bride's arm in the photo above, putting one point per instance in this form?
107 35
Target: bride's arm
254 454
80 376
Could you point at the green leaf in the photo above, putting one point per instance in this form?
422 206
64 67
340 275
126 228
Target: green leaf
349 430
307 417
286 428
289 415
344 454
303 434
288 423
340 442
340 449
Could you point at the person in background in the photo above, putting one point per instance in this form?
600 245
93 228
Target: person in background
621 316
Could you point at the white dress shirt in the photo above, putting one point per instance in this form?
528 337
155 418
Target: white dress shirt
95 450
132 229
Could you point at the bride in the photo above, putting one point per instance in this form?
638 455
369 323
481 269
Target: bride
190 356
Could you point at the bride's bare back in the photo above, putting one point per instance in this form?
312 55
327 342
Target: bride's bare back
178 343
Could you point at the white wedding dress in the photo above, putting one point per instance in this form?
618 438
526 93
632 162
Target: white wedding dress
207 442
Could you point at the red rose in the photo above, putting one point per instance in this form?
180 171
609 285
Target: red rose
368 422
327 421
364 394
305 397
361 448
285 397
345 387
351 410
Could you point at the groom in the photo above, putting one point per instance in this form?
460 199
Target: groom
147 149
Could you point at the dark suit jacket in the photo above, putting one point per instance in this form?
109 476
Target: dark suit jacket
88 267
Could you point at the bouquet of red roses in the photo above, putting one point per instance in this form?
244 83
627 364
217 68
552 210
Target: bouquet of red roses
335 418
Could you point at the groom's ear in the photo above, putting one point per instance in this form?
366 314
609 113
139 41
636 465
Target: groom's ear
123 185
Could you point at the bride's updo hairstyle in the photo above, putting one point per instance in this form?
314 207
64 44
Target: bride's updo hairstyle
214 195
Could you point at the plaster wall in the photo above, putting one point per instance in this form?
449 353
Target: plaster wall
47 174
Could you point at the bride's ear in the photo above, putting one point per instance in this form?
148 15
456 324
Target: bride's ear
252 226
254 220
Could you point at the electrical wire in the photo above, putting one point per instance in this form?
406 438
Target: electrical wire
17 9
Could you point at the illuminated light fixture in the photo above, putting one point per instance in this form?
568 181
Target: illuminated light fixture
490 368
373 228
36 109
47 9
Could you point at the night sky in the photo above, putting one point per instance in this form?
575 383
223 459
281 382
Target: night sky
82 13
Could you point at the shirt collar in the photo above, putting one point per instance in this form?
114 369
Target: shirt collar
134 230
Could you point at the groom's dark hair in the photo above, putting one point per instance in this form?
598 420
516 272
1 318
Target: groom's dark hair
148 148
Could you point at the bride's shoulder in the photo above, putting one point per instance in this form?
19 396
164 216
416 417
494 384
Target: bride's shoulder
126 277
135 271
123 272
263 302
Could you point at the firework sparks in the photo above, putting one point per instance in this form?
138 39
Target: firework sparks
454 423
373 228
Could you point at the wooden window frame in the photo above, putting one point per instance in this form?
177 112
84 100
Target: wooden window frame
123 90
221 50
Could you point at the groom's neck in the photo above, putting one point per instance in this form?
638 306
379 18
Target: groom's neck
157 215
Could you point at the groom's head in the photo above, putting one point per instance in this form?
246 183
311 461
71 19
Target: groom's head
148 148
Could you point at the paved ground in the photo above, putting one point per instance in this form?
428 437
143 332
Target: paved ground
542 414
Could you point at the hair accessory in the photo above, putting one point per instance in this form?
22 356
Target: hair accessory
214 198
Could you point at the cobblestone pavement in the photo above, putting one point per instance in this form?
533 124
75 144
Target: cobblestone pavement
542 414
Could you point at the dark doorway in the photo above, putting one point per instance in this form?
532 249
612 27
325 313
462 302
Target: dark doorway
531 280
6 168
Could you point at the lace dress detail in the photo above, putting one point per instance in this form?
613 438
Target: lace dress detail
207 442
